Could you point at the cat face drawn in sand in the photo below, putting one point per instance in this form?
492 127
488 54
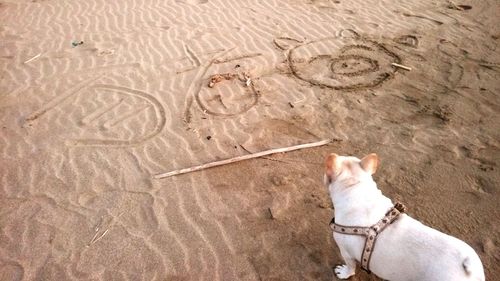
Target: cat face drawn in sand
347 62
350 61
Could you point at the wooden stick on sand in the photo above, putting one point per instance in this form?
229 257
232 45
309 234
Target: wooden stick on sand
455 6
33 58
240 158
401 66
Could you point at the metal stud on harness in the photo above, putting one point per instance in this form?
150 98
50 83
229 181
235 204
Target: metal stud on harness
370 232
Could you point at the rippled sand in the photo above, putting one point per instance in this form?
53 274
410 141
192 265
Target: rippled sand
85 126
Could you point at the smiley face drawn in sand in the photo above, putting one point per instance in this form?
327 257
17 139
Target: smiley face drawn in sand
101 114
346 64
229 96
224 94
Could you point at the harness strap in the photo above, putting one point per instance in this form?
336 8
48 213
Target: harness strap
371 233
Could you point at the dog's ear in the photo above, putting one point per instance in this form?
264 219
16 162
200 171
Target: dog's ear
332 166
369 163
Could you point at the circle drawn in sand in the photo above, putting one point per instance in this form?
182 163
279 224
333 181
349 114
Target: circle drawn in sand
228 98
343 63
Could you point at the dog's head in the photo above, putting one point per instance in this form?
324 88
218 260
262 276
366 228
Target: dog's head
348 171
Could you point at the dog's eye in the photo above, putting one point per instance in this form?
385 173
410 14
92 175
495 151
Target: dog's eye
327 180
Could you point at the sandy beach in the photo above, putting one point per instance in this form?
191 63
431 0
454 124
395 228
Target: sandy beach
97 97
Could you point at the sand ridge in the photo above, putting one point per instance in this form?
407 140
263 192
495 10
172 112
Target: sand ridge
85 127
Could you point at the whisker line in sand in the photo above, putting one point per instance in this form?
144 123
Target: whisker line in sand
15 92
230 59
241 158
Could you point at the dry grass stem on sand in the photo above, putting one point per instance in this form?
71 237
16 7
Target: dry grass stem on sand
401 66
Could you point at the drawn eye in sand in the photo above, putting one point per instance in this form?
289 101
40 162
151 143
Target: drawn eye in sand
347 64
105 115
225 94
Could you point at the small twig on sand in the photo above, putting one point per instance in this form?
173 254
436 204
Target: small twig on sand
33 58
401 66
99 238
98 227
93 238
220 77
240 158
455 6
248 80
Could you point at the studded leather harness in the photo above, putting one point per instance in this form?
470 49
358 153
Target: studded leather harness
370 232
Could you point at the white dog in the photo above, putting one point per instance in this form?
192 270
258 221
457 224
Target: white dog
405 249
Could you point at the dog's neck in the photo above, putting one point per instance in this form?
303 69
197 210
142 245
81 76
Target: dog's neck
358 202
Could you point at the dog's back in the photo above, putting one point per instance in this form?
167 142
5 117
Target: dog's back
424 253
406 250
